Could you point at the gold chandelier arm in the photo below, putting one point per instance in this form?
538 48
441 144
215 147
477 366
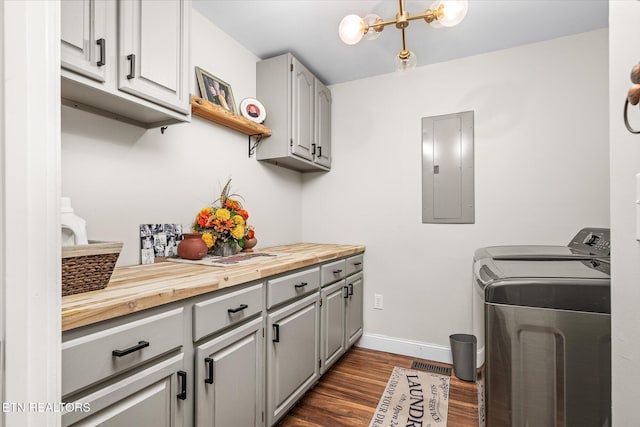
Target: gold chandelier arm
383 23
429 15
404 42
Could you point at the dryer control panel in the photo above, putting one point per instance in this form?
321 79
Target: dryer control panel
592 241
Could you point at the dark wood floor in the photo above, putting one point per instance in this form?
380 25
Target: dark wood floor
348 394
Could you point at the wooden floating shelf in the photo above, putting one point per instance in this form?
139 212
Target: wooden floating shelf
207 110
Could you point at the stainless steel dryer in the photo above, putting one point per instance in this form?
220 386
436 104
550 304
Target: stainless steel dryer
544 337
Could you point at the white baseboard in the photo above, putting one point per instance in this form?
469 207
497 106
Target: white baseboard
417 349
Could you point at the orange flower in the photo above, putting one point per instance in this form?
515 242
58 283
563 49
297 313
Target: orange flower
244 213
231 204
204 217
251 234
223 224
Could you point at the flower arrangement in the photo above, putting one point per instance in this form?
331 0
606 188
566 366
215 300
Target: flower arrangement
223 225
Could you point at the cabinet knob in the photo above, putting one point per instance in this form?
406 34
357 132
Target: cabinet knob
276 333
337 271
301 285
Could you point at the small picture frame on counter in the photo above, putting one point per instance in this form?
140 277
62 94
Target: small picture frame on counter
158 242
215 90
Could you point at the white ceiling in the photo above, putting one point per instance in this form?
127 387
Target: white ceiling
309 30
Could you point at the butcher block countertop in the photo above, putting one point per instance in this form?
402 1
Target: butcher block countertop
139 287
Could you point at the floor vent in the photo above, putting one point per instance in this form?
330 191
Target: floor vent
430 367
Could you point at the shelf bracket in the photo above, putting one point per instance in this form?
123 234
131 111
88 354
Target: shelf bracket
252 148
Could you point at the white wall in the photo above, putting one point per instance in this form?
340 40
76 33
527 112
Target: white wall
119 176
625 163
541 173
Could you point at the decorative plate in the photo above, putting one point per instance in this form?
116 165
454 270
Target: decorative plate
253 110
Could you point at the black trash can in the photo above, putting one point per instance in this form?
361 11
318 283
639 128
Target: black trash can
463 350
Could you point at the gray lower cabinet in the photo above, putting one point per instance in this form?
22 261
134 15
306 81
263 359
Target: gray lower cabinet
292 354
127 372
148 398
238 357
229 378
354 308
333 323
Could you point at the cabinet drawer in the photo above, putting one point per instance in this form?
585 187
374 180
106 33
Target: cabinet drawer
225 310
292 286
145 398
354 264
96 356
333 272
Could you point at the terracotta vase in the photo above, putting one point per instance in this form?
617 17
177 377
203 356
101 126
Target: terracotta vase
249 244
192 247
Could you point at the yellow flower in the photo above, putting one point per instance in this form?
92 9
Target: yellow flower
223 214
238 219
238 232
208 239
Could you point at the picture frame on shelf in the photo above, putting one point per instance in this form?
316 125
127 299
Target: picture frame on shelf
253 110
215 90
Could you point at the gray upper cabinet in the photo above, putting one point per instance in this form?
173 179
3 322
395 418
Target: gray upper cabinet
84 33
128 60
298 112
152 51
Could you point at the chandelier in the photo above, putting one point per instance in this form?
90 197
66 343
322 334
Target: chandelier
442 13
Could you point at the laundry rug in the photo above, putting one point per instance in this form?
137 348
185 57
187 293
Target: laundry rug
413 399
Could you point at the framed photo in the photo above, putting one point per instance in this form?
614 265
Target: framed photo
159 241
253 110
215 90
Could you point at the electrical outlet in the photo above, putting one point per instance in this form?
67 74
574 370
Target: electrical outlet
377 301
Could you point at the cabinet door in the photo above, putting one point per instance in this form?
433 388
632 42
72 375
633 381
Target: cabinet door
292 354
302 114
229 380
148 398
84 38
332 326
153 51
354 309
323 124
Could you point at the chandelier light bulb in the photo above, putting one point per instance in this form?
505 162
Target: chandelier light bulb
405 62
435 23
371 21
453 12
351 29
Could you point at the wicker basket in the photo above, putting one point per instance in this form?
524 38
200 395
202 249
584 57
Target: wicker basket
88 267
